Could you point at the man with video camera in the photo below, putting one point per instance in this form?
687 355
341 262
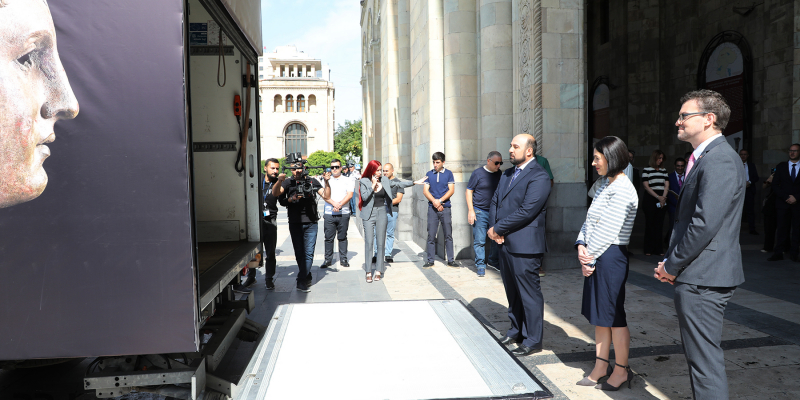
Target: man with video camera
298 194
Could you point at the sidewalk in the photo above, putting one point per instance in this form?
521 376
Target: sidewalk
761 337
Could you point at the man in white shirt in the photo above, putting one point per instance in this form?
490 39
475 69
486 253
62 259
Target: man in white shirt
337 214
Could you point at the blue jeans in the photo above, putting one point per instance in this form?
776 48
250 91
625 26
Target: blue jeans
390 224
479 230
304 239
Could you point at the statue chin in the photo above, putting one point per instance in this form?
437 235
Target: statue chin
13 197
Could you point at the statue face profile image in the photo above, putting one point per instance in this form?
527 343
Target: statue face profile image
34 94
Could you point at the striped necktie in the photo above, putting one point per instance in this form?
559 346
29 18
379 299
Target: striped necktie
516 172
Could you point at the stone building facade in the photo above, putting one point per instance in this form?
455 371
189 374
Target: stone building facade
296 105
463 77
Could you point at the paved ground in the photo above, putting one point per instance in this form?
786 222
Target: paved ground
761 338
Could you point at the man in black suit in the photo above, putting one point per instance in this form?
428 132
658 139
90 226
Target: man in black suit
750 194
517 217
787 191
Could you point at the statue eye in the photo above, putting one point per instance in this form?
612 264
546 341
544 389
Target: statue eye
26 60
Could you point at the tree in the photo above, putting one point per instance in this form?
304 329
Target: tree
322 158
347 139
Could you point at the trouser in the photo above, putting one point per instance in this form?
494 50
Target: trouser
353 205
375 232
520 274
269 228
479 241
434 219
670 224
304 239
391 222
700 312
653 226
771 227
748 212
336 227
788 222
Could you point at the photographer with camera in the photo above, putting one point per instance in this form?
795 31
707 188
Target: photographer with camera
298 194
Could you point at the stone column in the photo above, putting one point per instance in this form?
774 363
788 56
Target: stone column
303 71
460 112
295 70
313 71
377 129
497 81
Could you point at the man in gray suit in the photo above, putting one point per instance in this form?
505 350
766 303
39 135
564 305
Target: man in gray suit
704 260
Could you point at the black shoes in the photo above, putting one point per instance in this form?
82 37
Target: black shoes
326 264
606 386
241 289
303 287
270 284
389 259
344 264
427 265
454 264
775 257
505 340
523 350
588 382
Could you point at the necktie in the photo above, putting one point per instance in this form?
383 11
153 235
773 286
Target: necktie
680 181
516 172
794 172
689 165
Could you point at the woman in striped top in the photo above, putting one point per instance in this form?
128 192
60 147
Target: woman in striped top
656 186
603 255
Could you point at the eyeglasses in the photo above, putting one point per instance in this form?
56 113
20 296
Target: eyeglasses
685 116
498 163
336 166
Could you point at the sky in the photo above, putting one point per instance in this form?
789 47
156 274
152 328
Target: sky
328 30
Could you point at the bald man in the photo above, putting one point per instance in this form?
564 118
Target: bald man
517 217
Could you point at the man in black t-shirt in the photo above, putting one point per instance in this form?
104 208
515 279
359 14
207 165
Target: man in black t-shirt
269 224
480 189
301 209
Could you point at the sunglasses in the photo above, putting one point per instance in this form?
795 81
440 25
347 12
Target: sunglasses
498 163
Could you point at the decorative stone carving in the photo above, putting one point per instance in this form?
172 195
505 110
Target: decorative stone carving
530 62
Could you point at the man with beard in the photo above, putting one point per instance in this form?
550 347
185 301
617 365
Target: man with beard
269 225
517 220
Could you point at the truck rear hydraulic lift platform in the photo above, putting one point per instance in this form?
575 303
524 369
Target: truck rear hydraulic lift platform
432 349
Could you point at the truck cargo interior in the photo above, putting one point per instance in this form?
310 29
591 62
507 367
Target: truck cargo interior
226 185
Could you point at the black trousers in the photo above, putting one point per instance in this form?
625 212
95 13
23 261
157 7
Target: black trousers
653 225
748 212
520 274
269 228
771 226
336 226
788 220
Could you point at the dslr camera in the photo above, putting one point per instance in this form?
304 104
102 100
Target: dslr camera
302 185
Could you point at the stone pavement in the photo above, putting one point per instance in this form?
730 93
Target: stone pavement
761 337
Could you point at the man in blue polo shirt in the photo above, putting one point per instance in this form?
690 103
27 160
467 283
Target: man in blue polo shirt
441 184
480 189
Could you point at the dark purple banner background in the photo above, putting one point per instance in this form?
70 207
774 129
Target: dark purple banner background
101 262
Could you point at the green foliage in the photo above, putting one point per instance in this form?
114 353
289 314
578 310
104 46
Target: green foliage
347 139
322 158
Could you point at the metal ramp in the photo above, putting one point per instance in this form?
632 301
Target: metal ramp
432 349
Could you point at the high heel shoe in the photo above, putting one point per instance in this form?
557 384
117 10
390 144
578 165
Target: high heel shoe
608 387
588 382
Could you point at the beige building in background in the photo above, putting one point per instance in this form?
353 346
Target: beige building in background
463 77
297 103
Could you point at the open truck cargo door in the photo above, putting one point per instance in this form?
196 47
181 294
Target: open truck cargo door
99 251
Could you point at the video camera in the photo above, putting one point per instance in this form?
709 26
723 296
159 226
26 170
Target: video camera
302 185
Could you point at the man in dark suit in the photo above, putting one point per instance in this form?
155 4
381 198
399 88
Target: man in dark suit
517 217
676 179
787 190
750 194
704 259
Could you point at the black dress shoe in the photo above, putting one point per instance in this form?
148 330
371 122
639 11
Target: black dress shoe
427 265
388 259
775 257
326 264
523 350
507 340
344 264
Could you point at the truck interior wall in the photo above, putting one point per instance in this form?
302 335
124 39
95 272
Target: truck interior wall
220 208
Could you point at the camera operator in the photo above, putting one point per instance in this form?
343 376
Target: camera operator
298 194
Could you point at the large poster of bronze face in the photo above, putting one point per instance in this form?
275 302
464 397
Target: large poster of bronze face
95 229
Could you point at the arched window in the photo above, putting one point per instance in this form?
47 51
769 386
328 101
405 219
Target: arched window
289 103
278 104
312 103
301 103
296 139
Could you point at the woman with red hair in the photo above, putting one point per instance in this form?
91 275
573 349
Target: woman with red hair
375 193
